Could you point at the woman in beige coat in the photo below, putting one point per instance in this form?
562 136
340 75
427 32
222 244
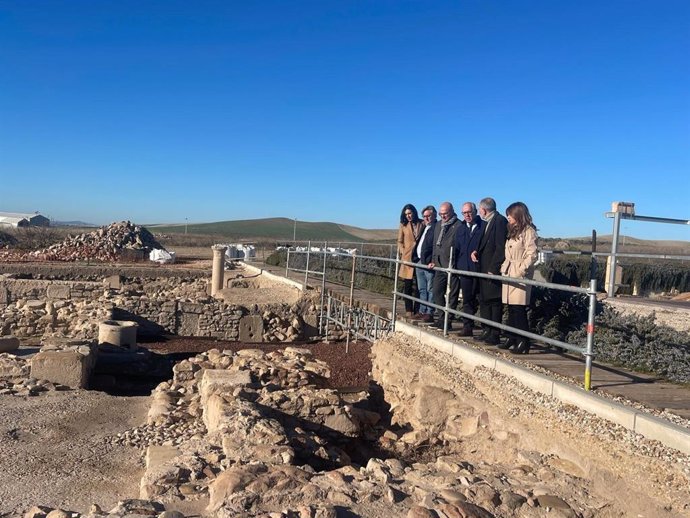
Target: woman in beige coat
408 233
521 254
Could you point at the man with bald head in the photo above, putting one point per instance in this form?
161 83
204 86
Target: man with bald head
444 239
467 240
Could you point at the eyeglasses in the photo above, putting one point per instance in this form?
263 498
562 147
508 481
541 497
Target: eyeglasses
467 212
442 214
426 216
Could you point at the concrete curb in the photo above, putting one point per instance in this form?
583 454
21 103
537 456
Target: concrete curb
647 425
272 276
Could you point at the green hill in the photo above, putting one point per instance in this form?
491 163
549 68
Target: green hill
273 228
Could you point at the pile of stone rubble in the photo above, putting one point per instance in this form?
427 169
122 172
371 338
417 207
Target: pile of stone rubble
113 242
254 434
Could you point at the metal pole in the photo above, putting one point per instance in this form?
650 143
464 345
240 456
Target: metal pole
328 316
450 275
352 296
590 333
294 232
323 285
306 269
395 292
614 250
593 263
287 263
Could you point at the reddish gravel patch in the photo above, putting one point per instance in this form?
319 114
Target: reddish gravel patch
348 370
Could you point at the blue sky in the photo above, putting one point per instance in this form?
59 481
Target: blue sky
157 111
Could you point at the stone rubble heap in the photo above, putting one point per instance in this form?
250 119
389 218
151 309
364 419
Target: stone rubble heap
277 328
108 243
254 433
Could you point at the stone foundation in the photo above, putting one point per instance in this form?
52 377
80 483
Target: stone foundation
159 306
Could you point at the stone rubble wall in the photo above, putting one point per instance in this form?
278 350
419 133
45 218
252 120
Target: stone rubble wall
30 308
96 272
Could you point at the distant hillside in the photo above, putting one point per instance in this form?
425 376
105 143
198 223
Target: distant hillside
80 224
626 244
278 229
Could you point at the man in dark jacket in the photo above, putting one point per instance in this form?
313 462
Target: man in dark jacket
423 255
490 256
467 237
444 239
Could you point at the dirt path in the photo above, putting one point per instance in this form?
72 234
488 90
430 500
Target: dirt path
54 450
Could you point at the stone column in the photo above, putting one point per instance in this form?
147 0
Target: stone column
218 272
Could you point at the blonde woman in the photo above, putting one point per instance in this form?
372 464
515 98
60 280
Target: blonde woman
520 256
409 231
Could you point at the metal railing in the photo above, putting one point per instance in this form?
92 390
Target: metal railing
591 292
586 350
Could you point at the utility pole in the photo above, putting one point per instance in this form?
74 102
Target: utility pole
294 231
185 226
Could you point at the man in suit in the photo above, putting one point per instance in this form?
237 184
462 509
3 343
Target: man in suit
490 256
467 238
444 239
423 255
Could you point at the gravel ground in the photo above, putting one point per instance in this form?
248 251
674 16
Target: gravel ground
54 450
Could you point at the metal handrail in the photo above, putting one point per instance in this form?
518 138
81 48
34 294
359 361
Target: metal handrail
586 350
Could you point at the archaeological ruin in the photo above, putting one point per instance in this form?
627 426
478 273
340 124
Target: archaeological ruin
253 424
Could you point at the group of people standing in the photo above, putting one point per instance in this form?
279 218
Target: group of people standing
480 240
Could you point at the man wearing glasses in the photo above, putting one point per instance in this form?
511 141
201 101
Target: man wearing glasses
424 253
444 239
467 239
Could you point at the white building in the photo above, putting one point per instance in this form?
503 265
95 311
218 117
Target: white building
15 219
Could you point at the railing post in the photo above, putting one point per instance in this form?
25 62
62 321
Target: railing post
352 296
614 255
306 269
450 276
590 333
395 292
323 284
328 316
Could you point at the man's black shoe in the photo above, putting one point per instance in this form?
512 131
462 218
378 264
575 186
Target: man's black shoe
484 336
492 340
510 342
466 331
439 325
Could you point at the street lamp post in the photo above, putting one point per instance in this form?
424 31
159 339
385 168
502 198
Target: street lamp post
185 226
294 231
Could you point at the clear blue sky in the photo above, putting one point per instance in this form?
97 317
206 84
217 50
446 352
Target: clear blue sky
157 111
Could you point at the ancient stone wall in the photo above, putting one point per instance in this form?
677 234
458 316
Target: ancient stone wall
96 272
30 308
12 290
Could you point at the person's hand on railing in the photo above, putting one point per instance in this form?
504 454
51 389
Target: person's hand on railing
431 266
